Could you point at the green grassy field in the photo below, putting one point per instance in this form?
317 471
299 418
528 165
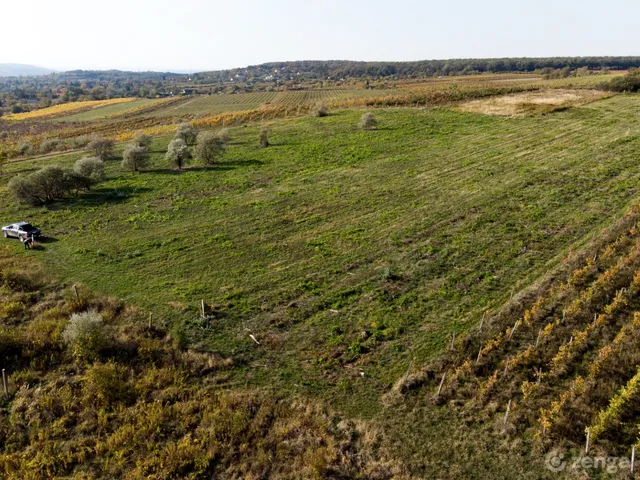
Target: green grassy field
341 250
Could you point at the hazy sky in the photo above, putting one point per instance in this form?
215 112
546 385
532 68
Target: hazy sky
207 35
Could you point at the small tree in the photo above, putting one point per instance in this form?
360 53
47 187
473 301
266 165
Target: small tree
42 186
264 137
49 146
320 110
142 140
368 121
224 135
178 153
134 158
25 148
90 167
187 133
101 147
209 148
85 335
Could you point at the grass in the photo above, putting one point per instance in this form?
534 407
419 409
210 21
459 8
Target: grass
347 252
342 249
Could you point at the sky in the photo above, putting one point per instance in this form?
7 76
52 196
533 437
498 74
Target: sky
198 35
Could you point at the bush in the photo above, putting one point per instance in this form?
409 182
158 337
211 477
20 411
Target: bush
25 148
187 133
209 148
224 135
368 121
85 335
49 146
81 141
320 110
47 184
178 153
628 83
101 147
90 167
264 137
135 157
142 140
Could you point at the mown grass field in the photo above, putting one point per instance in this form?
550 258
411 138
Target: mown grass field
346 251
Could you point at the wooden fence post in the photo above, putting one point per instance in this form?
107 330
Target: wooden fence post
586 448
453 339
4 383
202 304
75 289
482 321
506 366
514 329
506 415
633 458
479 354
150 320
444 375
538 339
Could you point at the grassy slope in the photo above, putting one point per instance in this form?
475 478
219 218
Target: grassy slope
382 239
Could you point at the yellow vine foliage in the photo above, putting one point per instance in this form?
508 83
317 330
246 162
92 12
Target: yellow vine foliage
65 109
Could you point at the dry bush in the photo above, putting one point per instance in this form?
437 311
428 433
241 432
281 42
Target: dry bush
85 335
320 110
368 121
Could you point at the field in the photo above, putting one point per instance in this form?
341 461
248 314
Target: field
336 265
103 112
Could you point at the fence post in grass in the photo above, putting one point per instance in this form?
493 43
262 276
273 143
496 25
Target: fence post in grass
75 289
150 320
564 314
506 415
512 292
633 458
479 354
538 339
444 375
4 383
482 321
202 305
506 366
453 339
586 447
406 375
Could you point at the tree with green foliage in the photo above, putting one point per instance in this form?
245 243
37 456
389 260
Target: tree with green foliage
209 148
135 158
85 335
187 133
178 153
142 140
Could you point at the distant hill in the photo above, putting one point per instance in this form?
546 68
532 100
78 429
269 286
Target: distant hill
18 69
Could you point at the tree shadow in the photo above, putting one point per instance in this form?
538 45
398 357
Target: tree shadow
223 165
96 197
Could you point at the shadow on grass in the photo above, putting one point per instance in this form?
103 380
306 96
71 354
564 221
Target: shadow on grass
224 165
97 196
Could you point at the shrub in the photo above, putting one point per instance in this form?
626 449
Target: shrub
101 147
80 141
73 182
209 148
178 153
142 140
224 135
368 121
264 137
42 186
25 148
49 146
320 110
134 158
90 167
85 335
187 133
